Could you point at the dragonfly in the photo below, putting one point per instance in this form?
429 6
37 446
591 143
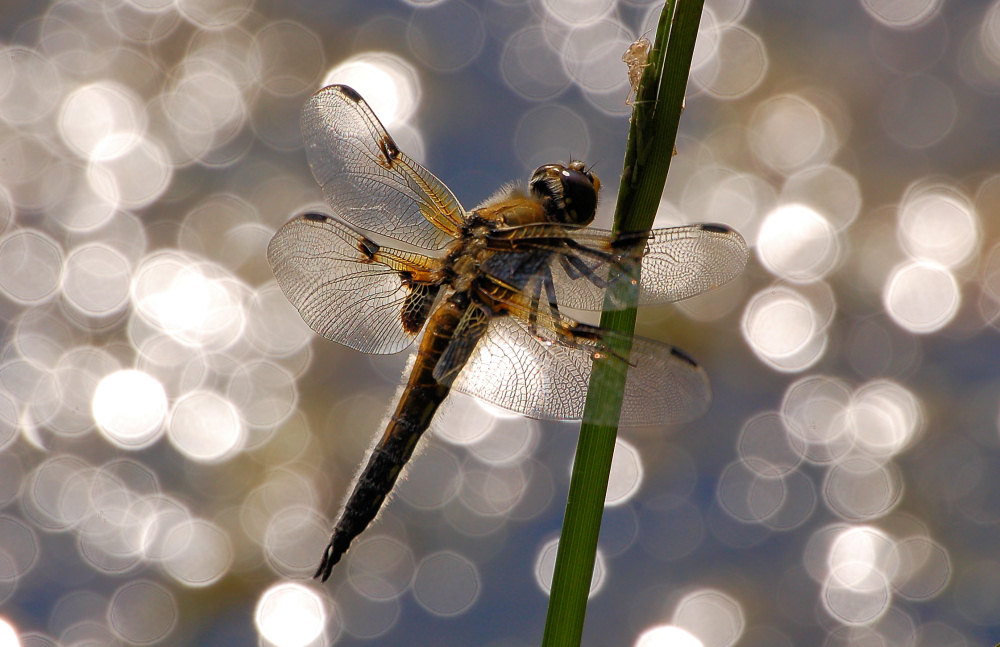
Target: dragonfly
489 288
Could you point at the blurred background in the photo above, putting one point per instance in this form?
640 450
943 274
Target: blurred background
174 441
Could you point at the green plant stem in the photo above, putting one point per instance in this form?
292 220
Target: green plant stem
652 132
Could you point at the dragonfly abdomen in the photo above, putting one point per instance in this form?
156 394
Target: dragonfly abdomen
417 405
373 485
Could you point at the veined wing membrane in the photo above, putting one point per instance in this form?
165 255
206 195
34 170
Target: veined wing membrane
535 373
368 181
678 263
348 289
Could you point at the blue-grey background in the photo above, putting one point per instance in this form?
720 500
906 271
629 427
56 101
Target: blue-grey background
174 441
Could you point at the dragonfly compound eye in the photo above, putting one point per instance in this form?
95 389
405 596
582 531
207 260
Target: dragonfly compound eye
579 189
568 192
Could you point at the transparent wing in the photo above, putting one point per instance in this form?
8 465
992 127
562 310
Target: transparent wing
534 372
367 180
679 262
349 289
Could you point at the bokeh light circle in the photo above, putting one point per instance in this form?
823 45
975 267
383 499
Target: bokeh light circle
797 243
290 615
142 612
921 296
130 407
446 584
205 427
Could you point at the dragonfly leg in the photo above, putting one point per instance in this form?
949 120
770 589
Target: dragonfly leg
545 284
571 333
575 268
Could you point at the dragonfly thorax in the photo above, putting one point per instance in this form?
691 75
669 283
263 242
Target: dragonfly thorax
465 260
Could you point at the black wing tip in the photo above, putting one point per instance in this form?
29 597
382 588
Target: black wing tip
315 217
681 355
715 228
348 92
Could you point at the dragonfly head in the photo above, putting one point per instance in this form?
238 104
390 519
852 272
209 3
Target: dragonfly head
568 192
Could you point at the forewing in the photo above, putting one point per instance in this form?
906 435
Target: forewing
337 280
681 262
678 263
367 180
536 374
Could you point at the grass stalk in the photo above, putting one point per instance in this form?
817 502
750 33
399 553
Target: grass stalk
652 132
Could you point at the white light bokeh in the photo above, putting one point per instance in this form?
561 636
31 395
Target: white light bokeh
789 133
738 67
813 412
205 427
31 266
885 418
102 119
798 244
785 328
856 590
938 224
148 151
388 83
291 539
591 56
432 481
96 280
132 174
921 296
274 325
31 85
907 15
715 617
510 440
214 15
829 190
197 553
464 420
290 615
626 474
861 489
197 304
130 408
578 12
8 635
667 636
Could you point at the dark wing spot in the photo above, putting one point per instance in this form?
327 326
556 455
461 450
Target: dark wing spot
350 93
417 304
681 355
368 248
315 217
388 149
715 229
